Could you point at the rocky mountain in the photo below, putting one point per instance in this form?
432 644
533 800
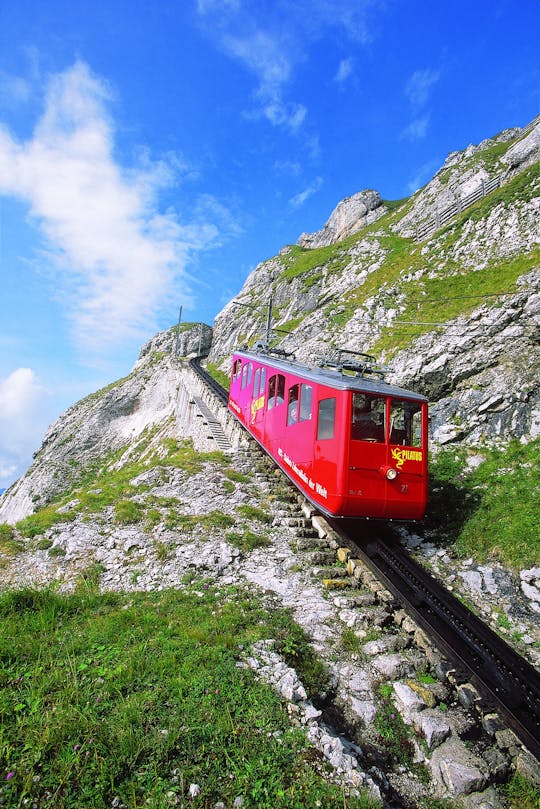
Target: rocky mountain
442 287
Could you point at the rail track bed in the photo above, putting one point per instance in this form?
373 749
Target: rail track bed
506 683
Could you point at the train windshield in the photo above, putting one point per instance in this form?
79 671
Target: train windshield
405 423
368 418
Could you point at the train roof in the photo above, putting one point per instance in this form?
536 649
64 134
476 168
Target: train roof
331 377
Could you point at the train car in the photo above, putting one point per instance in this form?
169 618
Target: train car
353 444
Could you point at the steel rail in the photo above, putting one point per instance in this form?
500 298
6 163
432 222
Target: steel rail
214 386
502 677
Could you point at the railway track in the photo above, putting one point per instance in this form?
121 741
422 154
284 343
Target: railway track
506 682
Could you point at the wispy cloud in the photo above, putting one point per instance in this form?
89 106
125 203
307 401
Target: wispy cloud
299 199
417 91
272 44
418 87
417 129
23 420
344 70
116 256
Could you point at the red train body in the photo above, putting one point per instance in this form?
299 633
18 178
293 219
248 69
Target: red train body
354 445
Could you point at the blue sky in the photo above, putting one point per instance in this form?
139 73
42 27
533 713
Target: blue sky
152 153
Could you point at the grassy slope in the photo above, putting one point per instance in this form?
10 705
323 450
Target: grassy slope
117 700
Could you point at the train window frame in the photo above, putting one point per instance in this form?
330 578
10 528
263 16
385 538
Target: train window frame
366 422
236 369
326 421
293 397
262 385
276 391
306 402
256 383
410 434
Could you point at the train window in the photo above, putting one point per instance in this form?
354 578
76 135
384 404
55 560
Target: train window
406 423
306 402
292 404
249 373
327 418
276 390
237 368
256 383
368 418
244 376
263 381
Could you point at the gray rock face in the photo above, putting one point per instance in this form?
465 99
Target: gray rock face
351 215
102 423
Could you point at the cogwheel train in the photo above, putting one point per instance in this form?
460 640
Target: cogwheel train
353 444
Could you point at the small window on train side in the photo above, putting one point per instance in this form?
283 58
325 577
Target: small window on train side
244 376
276 390
263 381
327 418
271 392
306 399
292 404
406 423
368 418
249 373
237 367
256 383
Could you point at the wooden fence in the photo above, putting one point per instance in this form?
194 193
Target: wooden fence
442 217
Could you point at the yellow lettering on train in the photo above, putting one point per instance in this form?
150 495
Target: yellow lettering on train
401 455
256 405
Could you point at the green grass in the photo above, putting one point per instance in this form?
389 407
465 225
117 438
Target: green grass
9 544
491 511
393 732
438 300
248 512
220 376
521 794
127 512
247 540
136 697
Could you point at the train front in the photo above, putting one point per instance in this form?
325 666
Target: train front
387 473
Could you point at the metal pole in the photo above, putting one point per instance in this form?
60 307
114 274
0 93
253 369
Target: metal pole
269 322
178 333
200 339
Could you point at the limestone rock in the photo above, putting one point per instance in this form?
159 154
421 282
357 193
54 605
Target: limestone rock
457 769
350 215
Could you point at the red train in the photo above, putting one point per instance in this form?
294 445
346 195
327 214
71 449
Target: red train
354 445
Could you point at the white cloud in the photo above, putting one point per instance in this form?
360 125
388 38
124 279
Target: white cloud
299 199
417 91
418 87
417 129
116 255
344 70
24 418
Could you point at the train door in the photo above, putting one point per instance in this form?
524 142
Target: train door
328 454
406 492
274 419
368 455
256 416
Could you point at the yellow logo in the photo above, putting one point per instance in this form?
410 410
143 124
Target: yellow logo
256 405
402 455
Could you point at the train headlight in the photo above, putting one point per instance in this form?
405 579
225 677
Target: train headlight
389 472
